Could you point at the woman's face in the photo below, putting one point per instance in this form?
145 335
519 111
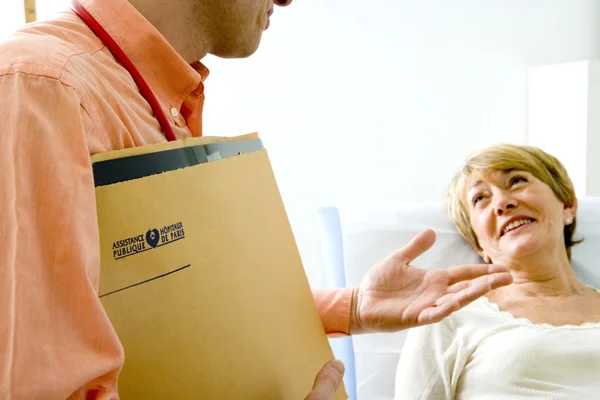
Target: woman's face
515 215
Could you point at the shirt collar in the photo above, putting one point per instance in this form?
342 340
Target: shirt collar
169 76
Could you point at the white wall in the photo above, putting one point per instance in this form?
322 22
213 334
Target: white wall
360 100
563 103
46 8
12 16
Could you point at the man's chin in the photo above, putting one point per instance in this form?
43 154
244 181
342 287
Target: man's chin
237 52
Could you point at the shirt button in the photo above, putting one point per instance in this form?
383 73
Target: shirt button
174 112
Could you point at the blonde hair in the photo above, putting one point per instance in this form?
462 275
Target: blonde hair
506 157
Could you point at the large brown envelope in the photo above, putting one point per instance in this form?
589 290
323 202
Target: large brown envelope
202 280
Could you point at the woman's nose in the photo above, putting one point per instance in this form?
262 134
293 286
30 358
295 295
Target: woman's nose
503 203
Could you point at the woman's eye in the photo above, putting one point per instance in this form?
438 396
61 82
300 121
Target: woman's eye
517 179
477 199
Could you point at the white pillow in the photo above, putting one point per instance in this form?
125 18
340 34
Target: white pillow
585 255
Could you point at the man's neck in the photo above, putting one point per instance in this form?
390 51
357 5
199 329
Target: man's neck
174 19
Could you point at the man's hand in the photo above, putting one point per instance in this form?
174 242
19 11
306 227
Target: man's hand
327 381
395 295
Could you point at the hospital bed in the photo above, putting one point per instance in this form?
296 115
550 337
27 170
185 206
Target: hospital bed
353 238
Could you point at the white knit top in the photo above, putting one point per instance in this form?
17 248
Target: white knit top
481 353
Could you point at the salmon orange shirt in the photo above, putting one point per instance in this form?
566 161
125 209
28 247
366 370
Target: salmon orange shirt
63 98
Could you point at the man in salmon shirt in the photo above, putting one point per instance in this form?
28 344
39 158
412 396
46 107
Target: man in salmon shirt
64 97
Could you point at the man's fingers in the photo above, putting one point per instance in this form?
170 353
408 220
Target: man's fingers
494 281
500 279
457 287
327 381
465 292
466 295
432 315
417 246
452 302
466 272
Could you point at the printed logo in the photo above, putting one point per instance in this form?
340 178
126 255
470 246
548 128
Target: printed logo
152 237
151 240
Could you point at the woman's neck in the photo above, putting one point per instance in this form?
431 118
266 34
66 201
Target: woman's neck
547 275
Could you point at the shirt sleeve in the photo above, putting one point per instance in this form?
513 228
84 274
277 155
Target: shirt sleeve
334 306
430 364
56 339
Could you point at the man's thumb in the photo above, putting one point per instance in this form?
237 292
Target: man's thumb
327 381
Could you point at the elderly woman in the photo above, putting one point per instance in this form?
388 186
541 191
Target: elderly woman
537 338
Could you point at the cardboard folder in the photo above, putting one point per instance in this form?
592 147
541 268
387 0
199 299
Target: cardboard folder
202 279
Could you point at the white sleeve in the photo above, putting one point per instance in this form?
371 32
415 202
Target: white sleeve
431 362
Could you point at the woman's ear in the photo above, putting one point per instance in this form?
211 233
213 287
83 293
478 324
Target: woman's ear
485 257
569 212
